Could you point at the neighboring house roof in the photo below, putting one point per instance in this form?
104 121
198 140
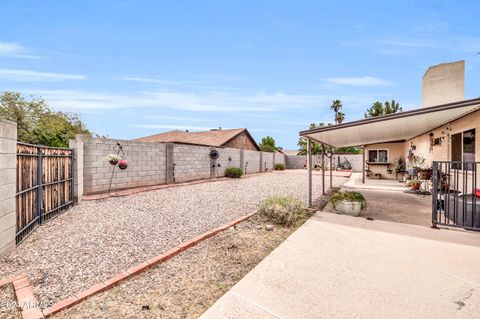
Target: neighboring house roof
289 152
218 137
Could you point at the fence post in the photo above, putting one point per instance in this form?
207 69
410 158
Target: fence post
434 194
8 185
77 169
40 185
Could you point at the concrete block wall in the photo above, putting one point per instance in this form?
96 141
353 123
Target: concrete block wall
280 158
152 163
253 160
146 164
298 161
192 162
229 157
267 158
8 186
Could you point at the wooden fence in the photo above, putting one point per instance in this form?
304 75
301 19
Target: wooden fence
44 185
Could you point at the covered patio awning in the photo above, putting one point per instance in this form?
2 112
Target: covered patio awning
391 127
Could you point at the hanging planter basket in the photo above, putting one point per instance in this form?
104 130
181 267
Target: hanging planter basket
113 159
123 164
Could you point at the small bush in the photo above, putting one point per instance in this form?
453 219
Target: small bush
279 167
233 172
339 196
285 211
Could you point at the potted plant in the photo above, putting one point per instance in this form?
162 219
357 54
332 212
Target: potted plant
389 170
113 159
123 164
414 184
350 203
425 173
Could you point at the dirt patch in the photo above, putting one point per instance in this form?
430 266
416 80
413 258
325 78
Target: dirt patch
188 284
8 303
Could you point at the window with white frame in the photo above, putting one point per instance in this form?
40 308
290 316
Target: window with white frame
463 149
378 156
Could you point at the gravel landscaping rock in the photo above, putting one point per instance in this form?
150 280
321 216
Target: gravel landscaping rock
98 239
8 303
188 284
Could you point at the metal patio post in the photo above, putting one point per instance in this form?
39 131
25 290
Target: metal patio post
309 171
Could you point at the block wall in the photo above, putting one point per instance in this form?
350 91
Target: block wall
8 186
253 160
146 165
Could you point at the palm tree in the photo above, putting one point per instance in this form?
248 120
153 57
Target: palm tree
340 117
392 107
336 106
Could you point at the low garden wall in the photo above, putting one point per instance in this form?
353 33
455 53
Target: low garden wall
157 163
298 161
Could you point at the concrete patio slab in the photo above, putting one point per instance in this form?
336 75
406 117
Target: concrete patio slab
337 266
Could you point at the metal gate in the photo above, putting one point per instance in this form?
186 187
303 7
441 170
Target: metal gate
455 195
45 185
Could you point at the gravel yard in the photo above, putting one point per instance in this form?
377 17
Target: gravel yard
188 284
97 239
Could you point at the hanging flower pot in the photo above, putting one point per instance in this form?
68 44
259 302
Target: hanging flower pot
113 159
123 164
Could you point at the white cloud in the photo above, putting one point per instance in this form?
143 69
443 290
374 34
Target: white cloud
16 75
13 49
173 127
147 80
204 101
462 44
359 81
175 118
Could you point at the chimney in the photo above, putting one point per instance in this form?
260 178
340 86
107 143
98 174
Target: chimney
443 83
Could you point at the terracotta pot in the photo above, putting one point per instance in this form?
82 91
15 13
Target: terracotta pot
415 187
123 164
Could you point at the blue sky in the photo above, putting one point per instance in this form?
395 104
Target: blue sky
135 68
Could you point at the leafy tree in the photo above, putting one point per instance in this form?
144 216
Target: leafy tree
336 107
316 147
37 123
379 108
268 144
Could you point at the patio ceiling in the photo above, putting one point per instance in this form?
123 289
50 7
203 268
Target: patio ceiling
391 127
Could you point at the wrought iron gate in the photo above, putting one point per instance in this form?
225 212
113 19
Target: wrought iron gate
45 185
455 195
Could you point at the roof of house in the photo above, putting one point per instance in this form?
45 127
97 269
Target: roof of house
217 137
391 127
289 152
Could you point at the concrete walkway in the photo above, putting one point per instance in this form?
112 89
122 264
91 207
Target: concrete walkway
338 266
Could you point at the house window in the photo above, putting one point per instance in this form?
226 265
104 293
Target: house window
378 156
463 149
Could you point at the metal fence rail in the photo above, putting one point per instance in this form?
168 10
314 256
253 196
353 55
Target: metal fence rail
454 195
44 185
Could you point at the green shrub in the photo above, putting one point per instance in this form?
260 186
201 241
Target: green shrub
339 196
233 172
285 211
279 167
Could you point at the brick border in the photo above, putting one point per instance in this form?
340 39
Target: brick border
28 304
129 273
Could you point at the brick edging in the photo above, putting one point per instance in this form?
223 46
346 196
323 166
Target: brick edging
97 288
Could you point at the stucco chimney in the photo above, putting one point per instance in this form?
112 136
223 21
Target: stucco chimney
443 83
